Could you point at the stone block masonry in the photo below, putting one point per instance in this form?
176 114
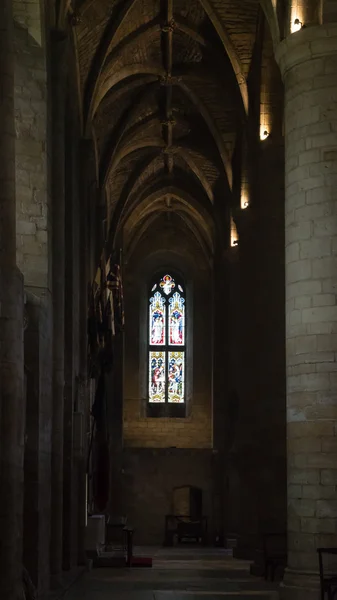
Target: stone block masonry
27 13
192 432
32 204
308 62
147 483
11 327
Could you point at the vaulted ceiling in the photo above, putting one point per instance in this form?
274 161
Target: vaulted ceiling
164 92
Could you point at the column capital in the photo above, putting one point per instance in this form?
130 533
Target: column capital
310 43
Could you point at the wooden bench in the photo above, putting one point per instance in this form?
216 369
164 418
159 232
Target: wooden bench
328 583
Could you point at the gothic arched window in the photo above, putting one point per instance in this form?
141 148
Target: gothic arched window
167 341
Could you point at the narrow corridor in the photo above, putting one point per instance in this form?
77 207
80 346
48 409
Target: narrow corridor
177 574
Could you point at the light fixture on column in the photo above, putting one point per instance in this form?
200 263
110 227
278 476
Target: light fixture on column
265 112
296 25
264 133
244 200
234 234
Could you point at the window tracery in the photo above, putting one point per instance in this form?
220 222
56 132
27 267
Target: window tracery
167 326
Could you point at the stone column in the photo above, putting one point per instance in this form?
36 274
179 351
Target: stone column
87 164
115 394
58 78
11 332
269 291
244 458
308 62
222 376
70 345
7 140
270 333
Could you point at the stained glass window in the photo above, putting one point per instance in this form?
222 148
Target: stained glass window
157 320
157 381
167 317
176 376
177 320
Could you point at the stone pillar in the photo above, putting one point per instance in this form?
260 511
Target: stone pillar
70 345
115 398
58 78
269 291
87 157
244 456
7 139
222 376
11 332
308 62
270 334
31 520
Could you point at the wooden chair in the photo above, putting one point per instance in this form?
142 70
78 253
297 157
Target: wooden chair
184 527
328 583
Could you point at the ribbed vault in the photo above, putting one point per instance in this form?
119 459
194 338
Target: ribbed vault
165 96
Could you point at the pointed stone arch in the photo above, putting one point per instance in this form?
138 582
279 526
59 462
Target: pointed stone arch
148 205
141 70
269 10
230 50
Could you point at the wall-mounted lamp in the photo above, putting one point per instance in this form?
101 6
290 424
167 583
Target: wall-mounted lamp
264 134
297 25
244 201
234 234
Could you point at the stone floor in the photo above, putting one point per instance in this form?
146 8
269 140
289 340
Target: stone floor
177 574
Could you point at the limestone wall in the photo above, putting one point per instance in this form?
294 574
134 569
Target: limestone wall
308 63
29 15
30 101
148 479
329 10
34 260
37 511
194 431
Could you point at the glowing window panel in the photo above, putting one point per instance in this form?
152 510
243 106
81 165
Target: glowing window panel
177 320
157 322
176 377
167 284
166 341
157 377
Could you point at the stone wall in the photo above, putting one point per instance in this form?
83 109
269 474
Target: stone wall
308 64
37 513
29 15
36 145
161 453
31 161
148 479
329 11
34 260
256 461
194 431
